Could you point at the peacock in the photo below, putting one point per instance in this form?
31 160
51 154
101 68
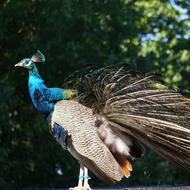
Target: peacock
103 117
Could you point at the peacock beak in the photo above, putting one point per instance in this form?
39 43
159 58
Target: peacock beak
19 64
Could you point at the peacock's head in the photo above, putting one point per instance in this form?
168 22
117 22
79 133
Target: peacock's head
29 63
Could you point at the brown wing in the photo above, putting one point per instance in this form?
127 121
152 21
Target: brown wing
83 141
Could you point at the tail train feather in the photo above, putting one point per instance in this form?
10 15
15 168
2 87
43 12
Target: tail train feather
141 107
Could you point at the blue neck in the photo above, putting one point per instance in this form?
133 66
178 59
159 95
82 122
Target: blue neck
37 90
34 72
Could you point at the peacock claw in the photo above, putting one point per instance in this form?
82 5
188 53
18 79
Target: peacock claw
87 187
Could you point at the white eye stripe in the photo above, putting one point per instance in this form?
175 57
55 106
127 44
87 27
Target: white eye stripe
28 63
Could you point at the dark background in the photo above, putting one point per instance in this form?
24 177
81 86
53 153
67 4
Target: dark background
151 36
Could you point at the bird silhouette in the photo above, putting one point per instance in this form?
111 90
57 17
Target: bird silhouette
104 116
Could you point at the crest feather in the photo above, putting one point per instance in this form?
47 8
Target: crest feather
38 57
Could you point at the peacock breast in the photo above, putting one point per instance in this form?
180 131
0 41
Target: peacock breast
36 90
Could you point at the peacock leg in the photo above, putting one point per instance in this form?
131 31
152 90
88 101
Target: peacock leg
83 177
86 178
81 174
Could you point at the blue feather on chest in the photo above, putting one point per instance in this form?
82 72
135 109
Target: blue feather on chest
37 93
41 103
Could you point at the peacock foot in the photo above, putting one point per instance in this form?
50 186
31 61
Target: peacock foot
80 188
86 185
83 180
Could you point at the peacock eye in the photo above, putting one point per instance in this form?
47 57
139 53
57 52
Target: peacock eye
27 63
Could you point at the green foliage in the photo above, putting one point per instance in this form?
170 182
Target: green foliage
149 35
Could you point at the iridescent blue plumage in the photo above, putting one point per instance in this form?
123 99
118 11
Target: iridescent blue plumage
43 98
